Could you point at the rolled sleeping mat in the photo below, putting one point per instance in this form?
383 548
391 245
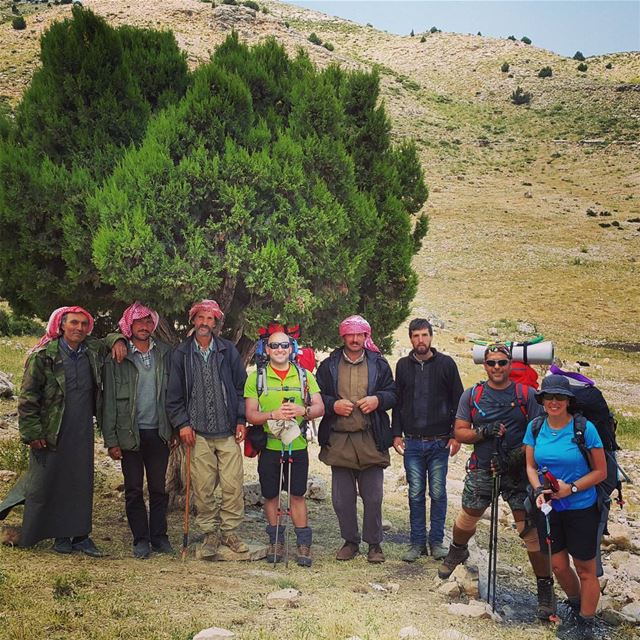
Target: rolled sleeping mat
539 353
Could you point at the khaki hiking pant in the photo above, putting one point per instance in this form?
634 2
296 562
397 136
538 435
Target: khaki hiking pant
217 461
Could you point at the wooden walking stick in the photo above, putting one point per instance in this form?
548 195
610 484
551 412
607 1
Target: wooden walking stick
185 528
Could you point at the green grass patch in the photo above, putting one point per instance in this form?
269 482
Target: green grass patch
14 455
628 433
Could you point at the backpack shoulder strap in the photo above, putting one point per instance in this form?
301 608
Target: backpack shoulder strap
304 385
261 380
536 425
522 398
474 399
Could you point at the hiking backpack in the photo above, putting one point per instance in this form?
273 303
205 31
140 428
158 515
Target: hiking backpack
522 399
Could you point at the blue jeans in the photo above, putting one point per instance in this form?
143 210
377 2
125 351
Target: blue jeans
422 460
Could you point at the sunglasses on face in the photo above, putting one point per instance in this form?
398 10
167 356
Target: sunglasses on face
278 345
496 363
554 396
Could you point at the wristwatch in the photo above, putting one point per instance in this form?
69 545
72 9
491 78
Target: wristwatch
574 489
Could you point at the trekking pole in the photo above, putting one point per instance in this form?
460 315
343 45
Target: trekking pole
279 509
550 482
493 543
288 519
185 528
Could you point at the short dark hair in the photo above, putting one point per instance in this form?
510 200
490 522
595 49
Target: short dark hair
420 323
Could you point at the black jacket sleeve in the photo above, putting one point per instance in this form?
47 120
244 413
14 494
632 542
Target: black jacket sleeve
176 392
239 377
396 414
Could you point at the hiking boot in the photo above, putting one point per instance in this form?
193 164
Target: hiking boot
304 536
414 552
62 545
275 552
456 555
141 549
438 550
375 554
303 557
546 599
234 543
87 547
162 546
348 551
210 544
587 628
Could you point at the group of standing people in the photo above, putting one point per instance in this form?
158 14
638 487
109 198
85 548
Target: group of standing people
148 398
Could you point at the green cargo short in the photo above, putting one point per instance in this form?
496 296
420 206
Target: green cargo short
478 488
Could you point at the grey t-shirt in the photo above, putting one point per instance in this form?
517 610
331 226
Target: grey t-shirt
498 405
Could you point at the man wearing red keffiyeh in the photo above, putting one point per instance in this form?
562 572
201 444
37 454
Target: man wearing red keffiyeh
136 428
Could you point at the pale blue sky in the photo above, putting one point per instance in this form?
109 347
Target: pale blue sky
563 26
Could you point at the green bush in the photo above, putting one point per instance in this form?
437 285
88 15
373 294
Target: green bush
505 67
412 34
328 46
608 66
545 72
19 23
525 40
582 67
232 2
434 30
11 325
14 455
520 96
251 4
313 38
512 38
578 55
423 39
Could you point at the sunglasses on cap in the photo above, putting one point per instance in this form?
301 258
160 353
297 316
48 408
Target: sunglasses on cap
278 345
554 396
496 363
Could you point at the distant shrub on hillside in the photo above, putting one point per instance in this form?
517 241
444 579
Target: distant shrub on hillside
313 38
11 325
65 1
423 39
251 4
512 38
525 40
608 66
505 67
412 34
545 72
479 33
19 23
232 2
578 55
434 30
520 96
582 67
328 46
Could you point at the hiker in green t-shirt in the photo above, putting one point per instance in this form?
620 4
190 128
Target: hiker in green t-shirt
281 407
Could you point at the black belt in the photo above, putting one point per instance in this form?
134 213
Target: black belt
427 438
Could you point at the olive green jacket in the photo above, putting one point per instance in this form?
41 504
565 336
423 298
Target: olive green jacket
41 400
118 424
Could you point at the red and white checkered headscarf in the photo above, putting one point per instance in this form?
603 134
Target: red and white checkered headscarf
136 311
357 324
53 326
206 305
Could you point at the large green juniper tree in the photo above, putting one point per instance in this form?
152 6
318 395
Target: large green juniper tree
270 186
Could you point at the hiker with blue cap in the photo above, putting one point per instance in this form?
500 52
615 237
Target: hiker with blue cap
554 444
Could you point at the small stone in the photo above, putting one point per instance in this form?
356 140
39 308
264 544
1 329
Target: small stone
7 387
393 587
468 579
492 331
256 552
377 587
252 494
632 610
409 632
386 525
619 535
214 633
528 194
449 589
453 634
316 488
525 327
7 476
10 535
283 599
619 558
474 609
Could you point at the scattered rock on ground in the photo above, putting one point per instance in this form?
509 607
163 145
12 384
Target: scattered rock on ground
475 609
449 589
214 633
632 610
453 634
10 535
525 327
283 599
7 387
619 535
409 632
386 525
467 578
316 488
7 476
252 494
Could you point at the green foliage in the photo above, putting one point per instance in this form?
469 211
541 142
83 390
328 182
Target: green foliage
19 23
314 39
423 39
520 96
434 30
412 34
628 433
251 4
88 102
270 187
609 65
11 325
525 40
14 455
231 2
545 72
578 55
328 46
505 67
582 67
512 38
